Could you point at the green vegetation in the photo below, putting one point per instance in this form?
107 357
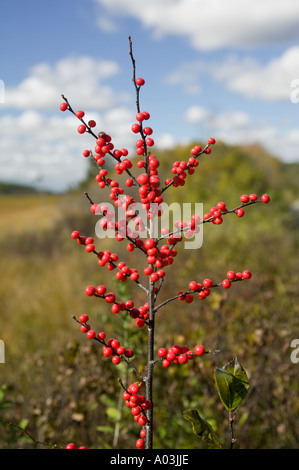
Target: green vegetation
57 382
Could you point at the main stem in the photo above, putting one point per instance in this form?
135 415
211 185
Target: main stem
150 361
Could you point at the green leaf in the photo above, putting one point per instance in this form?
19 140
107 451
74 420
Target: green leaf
103 428
113 413
202 428
23 423
232 384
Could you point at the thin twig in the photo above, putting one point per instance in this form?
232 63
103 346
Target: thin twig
121 356
24 431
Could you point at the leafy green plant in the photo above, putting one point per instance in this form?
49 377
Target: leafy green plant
232 384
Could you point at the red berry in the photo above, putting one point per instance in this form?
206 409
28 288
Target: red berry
84 329
221 206
148 271
71 445
129 182
142 420
171 355
142 179
139 117
202 295
199 350
146 115
101 290
90 248
115 307
81 129
226 283
188 298
240 212
149 243
83 318
140 322
162 352
265 198
148 130
154 277
140 81
136 410
63 107
133 388
129 353
211 140
150 142
253 197
129 304
134 276
135 128
75 234
207 282
246 274
166 363
244 198
140 444
182 358
91 334
231 275
80 114
107 351
90 290
116 360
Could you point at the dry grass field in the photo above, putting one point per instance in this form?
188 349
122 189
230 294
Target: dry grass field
56 382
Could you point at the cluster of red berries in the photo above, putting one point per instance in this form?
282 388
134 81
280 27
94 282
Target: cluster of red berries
71 445
139 405
145 132
215 213
203 288
158 257
183 168
106 258
110 298
179 354
148 182
111 348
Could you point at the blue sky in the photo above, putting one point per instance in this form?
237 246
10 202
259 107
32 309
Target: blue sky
221 68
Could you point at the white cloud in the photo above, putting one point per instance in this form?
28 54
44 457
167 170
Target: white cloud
237 127
187 75
271 81
82 79
37 139
214 24
33 143
166 141
196 114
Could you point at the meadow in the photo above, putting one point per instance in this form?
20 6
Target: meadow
56 384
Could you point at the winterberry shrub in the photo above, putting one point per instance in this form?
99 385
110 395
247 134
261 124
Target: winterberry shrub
157 252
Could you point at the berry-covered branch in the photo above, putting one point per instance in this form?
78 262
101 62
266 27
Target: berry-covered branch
157 252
